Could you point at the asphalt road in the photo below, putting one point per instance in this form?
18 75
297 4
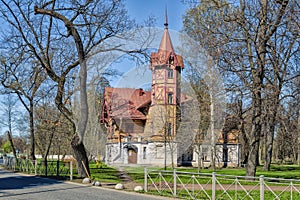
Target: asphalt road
19 186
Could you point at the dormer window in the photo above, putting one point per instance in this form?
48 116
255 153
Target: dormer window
170 73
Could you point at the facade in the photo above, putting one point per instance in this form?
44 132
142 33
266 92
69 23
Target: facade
142 125
228 151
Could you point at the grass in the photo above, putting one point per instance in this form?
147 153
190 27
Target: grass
106 174
276 171
232 194
103 173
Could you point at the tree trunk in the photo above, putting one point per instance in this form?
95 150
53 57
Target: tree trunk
9 133
200 163
244 142
270 140
298 137
165 149
243 136
212 126
32 140
257 75
45 163
254 136
80 156
172 157
11 143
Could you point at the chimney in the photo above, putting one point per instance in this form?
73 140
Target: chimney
141 92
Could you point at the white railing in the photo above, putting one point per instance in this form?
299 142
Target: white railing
216 186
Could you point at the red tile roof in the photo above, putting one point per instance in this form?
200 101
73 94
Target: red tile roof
125 102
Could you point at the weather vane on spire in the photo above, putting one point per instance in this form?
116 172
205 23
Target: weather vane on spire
166 18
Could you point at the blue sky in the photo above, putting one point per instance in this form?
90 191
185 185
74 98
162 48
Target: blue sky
135 76
141 9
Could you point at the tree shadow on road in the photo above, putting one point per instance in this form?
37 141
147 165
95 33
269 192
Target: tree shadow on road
20 182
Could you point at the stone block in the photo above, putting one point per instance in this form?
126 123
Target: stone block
138 188
119 186
86 180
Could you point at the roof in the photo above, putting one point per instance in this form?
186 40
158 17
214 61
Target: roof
232 137
126 102
129 102
165 51
166 45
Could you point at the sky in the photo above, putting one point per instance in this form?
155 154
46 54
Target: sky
141 9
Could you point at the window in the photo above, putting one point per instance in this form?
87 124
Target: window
171 60
170 73
170 129
159 151
144 152
170 98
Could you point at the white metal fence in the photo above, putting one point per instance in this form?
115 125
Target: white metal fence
52 168
215 186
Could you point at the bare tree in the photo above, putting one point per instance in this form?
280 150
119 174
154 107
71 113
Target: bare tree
96 132
52 129
283 48
24 81
241 33
9 117
199 108
62 36
165 126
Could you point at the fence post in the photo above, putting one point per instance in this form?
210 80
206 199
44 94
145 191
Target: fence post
57 168
291 185
213 186
14 163
35 167
146 180
175 183
262 187
26 166
71 170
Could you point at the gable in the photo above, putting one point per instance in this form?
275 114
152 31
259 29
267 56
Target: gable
125 103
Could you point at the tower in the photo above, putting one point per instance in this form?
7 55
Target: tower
166 68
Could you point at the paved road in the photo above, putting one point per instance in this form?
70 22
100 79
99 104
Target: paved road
18 186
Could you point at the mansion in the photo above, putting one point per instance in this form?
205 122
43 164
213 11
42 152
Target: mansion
142 126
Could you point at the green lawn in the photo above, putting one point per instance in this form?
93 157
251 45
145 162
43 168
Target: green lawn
277 171
105 173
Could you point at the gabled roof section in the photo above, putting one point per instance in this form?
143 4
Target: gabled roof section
125 102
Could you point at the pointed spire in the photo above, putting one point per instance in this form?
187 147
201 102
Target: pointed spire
166 43
166 18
